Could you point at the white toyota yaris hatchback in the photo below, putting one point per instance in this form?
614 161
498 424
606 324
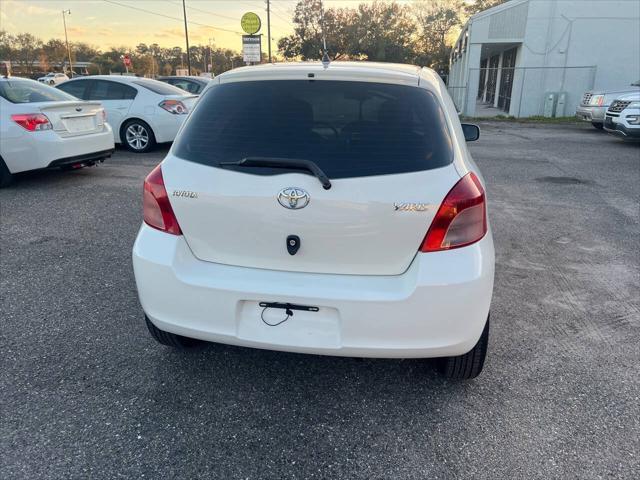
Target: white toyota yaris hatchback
333 211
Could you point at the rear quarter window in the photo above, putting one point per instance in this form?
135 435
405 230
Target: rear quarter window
349 129
158 87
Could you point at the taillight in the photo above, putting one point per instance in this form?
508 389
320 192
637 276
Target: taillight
155 204
174 106
461 219
32 121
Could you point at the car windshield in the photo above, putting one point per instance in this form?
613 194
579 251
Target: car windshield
26 91
158 87
349 129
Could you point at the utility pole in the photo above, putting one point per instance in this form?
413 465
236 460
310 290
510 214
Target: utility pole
66 39
186 36
269 27
209 68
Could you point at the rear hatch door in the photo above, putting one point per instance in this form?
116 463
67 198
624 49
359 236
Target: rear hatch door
386 149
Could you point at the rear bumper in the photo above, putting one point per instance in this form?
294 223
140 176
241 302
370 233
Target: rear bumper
36 150
591 114
85 159
438 307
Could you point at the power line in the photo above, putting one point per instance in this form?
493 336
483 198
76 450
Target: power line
195 9
170 17
275 12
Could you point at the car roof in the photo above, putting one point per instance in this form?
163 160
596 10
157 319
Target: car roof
369 71
114 78
188 77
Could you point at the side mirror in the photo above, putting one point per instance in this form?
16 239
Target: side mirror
471 132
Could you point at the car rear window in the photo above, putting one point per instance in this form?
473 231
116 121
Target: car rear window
26 91
349 129
158 87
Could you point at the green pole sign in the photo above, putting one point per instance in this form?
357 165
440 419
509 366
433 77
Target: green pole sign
250 23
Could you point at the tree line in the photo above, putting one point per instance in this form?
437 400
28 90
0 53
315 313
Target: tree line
32 56
420 33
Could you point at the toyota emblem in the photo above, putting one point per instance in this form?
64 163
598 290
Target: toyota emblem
293 198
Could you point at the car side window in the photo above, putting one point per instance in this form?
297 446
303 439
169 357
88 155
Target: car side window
106 90
78 89
190 87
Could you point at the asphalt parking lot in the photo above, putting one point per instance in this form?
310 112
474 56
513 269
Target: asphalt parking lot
86 393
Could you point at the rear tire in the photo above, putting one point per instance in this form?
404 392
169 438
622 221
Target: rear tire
137 136
6 177
599 126
469 365
170 339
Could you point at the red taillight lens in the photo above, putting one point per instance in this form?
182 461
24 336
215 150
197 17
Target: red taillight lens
461 219
174 106
155 204
32 121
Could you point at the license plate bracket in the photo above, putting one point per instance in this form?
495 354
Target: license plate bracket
289 306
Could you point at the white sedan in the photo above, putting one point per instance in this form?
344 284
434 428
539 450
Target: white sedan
41 127
53 78
141 111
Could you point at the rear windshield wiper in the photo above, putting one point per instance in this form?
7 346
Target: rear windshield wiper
289 163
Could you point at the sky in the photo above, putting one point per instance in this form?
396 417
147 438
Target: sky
106 23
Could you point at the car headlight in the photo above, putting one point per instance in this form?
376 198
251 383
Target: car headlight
597 100
634 105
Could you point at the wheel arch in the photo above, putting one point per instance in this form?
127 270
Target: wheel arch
126 121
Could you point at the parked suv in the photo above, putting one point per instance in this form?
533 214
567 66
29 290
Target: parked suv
330 211
623 117
594 104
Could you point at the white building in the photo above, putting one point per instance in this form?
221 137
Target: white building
508 59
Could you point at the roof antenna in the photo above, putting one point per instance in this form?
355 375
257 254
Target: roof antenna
325 55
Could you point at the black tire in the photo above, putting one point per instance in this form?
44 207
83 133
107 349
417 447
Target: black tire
6 177
170 339
599 126
469 365
137 136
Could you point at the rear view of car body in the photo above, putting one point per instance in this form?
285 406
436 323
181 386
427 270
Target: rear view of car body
394 259
50 132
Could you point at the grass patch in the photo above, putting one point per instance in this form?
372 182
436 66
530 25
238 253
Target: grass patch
535 119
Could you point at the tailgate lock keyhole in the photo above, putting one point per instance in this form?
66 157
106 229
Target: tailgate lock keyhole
293 244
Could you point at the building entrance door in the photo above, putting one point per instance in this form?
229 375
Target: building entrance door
506 79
